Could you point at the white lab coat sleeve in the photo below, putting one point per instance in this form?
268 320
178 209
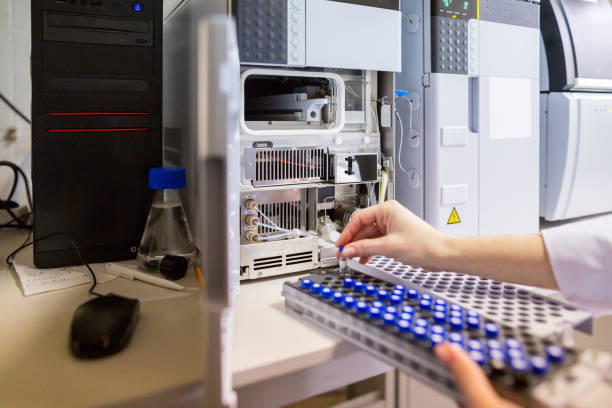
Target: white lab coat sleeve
580 254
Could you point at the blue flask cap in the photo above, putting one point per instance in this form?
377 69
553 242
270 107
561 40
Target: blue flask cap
166 178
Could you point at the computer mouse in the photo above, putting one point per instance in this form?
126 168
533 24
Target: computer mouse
103 326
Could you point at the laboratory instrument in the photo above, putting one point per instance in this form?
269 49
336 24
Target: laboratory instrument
576 109
96 125
312 148
131 273
103 326
398 313
167 231
470 112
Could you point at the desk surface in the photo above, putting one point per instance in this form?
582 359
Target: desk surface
37 369
166 353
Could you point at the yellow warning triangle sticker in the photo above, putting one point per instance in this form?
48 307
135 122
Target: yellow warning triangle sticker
454 217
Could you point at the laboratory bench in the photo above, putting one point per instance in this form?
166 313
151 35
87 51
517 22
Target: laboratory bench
276 358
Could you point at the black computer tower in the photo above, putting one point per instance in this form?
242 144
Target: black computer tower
96 125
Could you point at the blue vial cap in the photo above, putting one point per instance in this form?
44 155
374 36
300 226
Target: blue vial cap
382 294
358 286
491 329
375 313
456 323
338 297
494 345
440 302
516 353
456 307
473 313
391 309
475 345
497 355
436 339
326 293
519 364
370 290
401 288
316 288
348 282
406 316
378 304
426 296
419 332
539 365
555 353
349 302
473 323
456 313
389 319
398 293
477 356
165 178
413 294
403 326
408 309
437 329
421 322
456 338
439 317
424 304
305 283
440 308
361 307
395 299
514 344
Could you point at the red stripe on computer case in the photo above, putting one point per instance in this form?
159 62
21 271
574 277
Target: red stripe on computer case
98 130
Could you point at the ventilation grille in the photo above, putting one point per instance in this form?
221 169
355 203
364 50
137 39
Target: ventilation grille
277 261
285 215
301 257
267 263
286 165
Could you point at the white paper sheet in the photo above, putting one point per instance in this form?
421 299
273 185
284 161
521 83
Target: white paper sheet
34 281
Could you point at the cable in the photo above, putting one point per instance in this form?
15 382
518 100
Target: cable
14 109
271 226
401 146
373 111
73 243
278 236
411 112
267 218
17 171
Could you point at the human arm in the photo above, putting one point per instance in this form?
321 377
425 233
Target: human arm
391 230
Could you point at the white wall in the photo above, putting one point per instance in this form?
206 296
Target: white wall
15 84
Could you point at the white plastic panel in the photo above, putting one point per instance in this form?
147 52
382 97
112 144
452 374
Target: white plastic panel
578 166
509 156
508 123
508 51
369 37
451 156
